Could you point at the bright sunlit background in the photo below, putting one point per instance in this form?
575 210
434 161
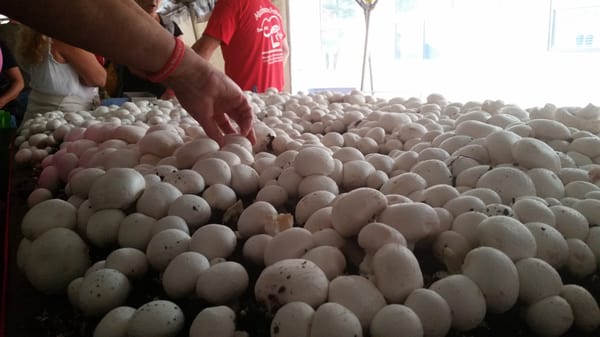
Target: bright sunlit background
527 52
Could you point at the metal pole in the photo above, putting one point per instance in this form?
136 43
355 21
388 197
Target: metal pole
365 49
367 6
194 20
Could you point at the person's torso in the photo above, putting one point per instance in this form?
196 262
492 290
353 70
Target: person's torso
61 79
131 82
254 55
7 61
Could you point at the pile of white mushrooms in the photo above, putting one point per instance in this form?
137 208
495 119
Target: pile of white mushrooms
331 204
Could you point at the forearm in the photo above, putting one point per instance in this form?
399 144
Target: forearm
90 24
206 46
13 92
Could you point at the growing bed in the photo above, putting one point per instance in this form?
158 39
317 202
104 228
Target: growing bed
289 124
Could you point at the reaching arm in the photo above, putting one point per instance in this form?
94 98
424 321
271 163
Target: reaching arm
91 72
206 46
121 31
16 85
116 29
286 50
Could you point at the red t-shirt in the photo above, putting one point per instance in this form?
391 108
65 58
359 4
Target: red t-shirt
251 34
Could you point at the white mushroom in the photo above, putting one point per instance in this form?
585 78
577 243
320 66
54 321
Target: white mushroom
158 318
219 196
354 209
450 248
294 319
169 222
329 258
537 280
46 215
213 171
214 321
433 311
343 290
254 248
551 245
397 272
289 244
135 231
310 203
509 182
254 217
213 240
570 222
496 276
376 234
313 161
54 259
129 261
114 323
508 235
581 261
466 301
157 198
165 246
414 221
396 320
534 153
332 319
291 280
532 210
222 282
584 306
550 317
102 228
102 291
180 277
117 188
192 208
593 241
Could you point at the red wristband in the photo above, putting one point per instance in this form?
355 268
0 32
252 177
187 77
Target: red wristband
172 63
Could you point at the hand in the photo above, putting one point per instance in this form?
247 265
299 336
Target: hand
212 98
167 95
3 102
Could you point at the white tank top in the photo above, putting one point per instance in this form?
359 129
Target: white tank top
61 79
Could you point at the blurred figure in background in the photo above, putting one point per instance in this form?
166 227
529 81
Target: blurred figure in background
117 30
62 77
124 79
11 84
252 39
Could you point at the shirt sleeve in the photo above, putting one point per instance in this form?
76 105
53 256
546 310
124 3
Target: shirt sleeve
222 23
8 60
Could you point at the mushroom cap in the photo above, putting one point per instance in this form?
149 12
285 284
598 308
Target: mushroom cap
550 317
333 319
294 319
291 280
214 321
158 318
458 290
496 275
396 320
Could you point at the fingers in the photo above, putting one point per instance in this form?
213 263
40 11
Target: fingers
210 126
243 116
251 136
224 124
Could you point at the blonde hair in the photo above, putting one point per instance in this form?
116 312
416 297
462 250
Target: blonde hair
32 45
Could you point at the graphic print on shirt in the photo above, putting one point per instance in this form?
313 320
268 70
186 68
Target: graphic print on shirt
270 28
